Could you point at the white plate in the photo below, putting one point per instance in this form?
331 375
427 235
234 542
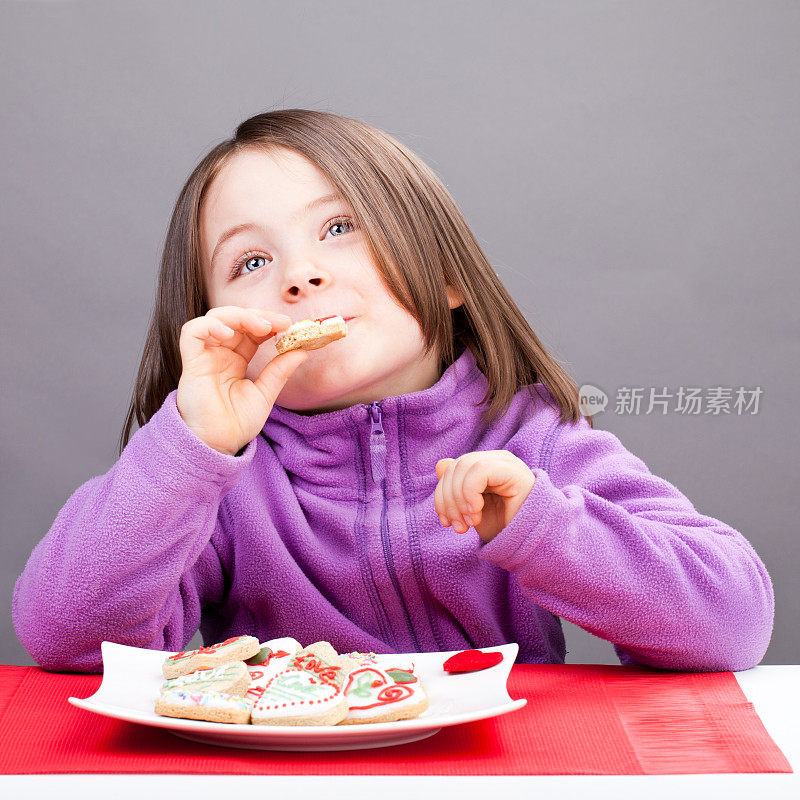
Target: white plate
132 678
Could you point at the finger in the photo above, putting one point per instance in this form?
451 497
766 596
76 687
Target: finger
495 474
198 333
463 502
438 500
253 325
470 484
259 324
277 372
438 495
256 329
441 465
232 316
451 511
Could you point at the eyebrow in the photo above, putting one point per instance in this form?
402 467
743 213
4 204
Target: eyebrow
334 197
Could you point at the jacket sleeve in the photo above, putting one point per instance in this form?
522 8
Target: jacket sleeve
130 557
607 545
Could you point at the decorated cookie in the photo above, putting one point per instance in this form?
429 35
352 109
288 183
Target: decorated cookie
237 648
471 661
232 678
210 706
377 695
308 692
269 663
311 334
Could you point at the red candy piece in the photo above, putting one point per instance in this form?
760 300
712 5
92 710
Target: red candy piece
471 661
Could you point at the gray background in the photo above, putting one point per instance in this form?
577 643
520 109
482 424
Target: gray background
631 170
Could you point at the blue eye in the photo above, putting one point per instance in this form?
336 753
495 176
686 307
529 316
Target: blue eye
341 222
248 263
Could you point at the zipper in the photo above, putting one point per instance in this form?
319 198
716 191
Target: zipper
377 460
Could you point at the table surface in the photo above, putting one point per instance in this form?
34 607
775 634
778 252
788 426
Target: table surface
773 690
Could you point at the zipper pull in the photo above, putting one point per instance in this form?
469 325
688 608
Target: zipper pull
377 444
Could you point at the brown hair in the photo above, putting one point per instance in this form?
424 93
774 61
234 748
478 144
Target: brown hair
416 234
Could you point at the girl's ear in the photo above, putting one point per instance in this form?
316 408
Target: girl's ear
454 297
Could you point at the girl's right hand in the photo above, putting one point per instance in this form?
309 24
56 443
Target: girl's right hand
215 399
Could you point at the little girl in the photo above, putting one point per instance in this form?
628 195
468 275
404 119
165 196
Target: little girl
426 483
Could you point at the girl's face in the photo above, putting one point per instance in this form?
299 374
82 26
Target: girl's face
296 252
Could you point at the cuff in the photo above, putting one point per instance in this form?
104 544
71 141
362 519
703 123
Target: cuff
167 428
516 543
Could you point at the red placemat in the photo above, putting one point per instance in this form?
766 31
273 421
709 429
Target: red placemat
580 719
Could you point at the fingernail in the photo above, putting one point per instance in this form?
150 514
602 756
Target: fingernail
469 520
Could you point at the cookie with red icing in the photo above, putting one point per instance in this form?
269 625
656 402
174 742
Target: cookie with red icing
237 648
311 334
308 692
375 694
274 657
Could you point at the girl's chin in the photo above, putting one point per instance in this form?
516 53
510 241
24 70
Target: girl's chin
328 378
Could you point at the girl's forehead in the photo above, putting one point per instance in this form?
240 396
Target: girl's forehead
277 167
251 179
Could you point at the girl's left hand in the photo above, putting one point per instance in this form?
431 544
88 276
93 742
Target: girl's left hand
484 489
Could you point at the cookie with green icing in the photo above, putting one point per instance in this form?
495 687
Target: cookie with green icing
383 695
231 678
267 667
237 648
308 692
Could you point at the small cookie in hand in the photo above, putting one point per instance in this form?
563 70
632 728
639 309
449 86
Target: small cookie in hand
311 334
237 648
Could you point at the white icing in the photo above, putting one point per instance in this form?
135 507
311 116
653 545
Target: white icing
206 677
296 686
262 674
333 322
305 324
300 326
217 700
370 674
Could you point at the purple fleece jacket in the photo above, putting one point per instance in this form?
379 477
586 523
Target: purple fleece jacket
324 528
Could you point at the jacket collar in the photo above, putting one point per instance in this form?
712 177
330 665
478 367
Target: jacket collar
461 374
323 450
